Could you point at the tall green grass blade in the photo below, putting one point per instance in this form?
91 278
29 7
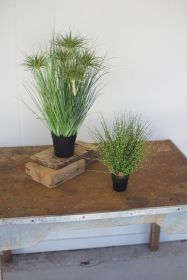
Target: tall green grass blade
65 82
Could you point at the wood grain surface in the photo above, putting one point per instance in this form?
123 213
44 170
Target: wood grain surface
162 182
52 178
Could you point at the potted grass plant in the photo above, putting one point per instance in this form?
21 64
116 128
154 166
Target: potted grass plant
65 87
123 147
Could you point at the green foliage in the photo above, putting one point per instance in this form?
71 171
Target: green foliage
36 61
122 146
65 82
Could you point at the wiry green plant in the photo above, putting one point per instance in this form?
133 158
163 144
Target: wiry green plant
122 145
65 83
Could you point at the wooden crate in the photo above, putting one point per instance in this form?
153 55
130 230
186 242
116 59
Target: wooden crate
54 177
51 171
83 150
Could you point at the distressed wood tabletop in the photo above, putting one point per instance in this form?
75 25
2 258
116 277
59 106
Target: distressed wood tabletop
161 182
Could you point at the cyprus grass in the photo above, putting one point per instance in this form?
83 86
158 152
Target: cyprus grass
65 83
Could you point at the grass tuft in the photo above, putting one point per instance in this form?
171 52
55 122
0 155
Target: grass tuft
122 145
65 83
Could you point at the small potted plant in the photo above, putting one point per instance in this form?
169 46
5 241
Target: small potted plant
122 147
65 87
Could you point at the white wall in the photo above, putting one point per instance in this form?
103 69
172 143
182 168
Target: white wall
145 42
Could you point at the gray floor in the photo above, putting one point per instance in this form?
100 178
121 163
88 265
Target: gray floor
124 262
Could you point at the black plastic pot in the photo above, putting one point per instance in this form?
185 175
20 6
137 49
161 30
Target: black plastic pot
120 182
63 146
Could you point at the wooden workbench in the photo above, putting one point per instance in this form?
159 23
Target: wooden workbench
156 194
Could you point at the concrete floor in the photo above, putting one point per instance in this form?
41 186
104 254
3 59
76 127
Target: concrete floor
124 262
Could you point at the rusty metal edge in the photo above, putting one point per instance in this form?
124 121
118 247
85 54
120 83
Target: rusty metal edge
94 216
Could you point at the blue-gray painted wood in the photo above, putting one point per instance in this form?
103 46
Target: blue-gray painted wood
95 238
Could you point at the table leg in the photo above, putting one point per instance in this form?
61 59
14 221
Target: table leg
154 237
1 270
7 256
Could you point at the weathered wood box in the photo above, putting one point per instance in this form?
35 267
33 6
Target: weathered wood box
51 171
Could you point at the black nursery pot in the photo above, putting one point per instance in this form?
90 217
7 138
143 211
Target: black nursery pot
63 146
120 182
